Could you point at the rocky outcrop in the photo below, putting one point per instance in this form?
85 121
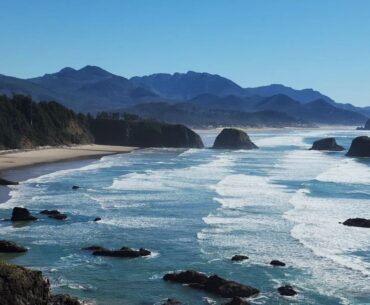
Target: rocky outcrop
287 290
144 133
357 222
11 247
172 302
360 147
54 214
7 182
239 258
277 263
237 301
329 144
124 252
213 284
75 187
97 219
22 214
366 127
94 248
20 286
231 138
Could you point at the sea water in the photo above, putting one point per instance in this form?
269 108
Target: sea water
195 209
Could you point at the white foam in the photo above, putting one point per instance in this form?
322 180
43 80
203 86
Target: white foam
347 171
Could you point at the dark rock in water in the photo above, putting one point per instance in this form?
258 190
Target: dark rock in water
360 147
230 138
239 258
50 212
237 301
94 248
171 302
11 247
328 144
213 284
75 187
357 222
20 286
366 127
97 219
63 299
123 252
7 182
55 214
287 290
21 214
277 263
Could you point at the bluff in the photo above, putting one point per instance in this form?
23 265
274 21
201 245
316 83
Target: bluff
143 133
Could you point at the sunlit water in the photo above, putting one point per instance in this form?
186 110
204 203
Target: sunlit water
195 209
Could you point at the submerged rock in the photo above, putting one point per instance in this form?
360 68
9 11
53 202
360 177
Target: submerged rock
7 182
11 247
63 299
97 219
123 252
21 214
213 284
75 187
237 301
239 258
94 248
287 290
231 138
357 222
171 302
277 263
329 144
360 147
55 214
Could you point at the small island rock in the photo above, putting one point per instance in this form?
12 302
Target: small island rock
237 301
21 214
171 302
239 258
124 252
11 247
231 138
329 144
97 219
75 187
360 147
357 222
287 290
277 263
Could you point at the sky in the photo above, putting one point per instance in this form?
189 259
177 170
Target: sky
320 44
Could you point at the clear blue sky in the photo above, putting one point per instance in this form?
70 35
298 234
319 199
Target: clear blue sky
321 44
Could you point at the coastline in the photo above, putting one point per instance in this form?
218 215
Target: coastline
20 165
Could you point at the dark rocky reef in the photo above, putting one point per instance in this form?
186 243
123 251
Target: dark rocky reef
54 214
357 222
7 182
7 246
277 263
360 147
239 258
329 144
143 133
366 127
213 284
124 252
22 214
20 286
287 290
172 302
231 138
237 301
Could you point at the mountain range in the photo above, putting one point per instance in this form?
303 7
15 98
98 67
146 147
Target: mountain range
192 98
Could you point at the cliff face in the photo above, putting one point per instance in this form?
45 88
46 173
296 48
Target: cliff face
143 133
26 124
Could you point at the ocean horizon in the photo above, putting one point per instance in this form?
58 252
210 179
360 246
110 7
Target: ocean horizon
196 208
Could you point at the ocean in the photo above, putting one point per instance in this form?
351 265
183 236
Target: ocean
195 209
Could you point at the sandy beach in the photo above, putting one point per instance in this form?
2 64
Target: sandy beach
20 158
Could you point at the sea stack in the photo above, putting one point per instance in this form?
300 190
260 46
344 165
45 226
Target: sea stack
366 127
22 214
231 138
360 147
328 144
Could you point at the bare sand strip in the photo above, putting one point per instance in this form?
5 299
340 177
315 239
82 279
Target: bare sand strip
20 158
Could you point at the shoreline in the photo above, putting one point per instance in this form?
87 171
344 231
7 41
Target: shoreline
20 165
